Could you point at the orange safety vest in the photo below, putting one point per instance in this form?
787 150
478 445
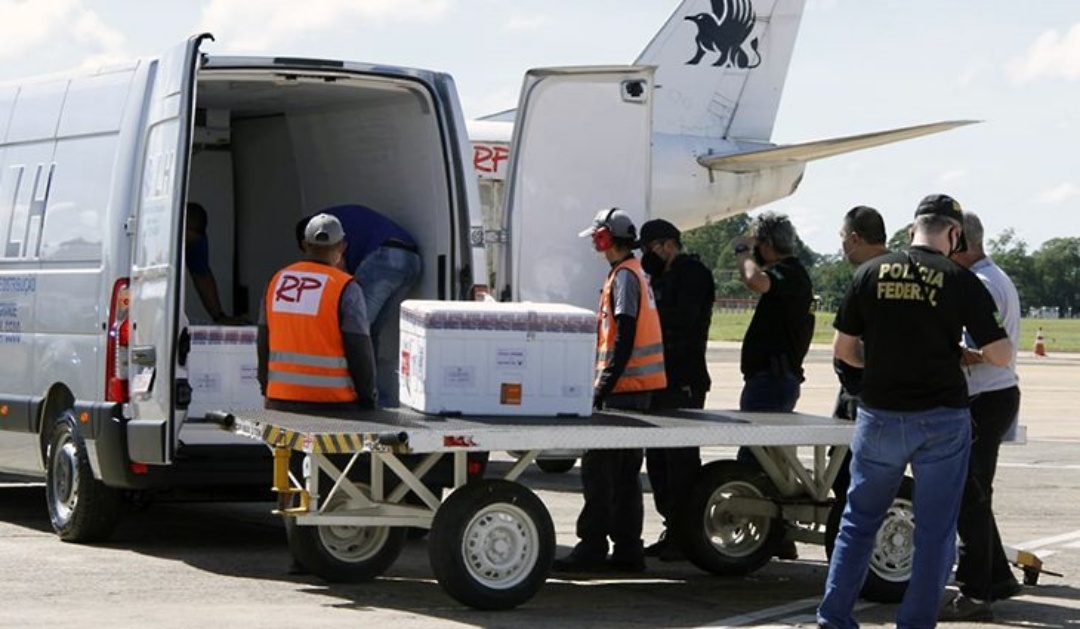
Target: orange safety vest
645 370
307 352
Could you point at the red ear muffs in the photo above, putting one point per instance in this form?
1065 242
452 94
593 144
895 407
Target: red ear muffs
602 239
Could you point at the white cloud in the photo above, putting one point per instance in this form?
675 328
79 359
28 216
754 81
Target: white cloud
27 25
526 22
952 176
1050 56
256 25
1059 194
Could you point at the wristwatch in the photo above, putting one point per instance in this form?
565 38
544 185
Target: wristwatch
741 248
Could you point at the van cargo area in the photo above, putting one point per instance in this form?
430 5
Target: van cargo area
271 147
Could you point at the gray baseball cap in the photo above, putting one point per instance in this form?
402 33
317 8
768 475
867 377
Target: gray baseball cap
324 230
616 220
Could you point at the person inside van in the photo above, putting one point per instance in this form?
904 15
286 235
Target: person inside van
314 348
197 261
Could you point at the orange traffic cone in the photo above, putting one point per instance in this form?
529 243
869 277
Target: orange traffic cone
1040 348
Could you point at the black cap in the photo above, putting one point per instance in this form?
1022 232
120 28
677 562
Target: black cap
947 207
658 229
940 205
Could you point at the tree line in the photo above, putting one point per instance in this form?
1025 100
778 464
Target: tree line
1045 277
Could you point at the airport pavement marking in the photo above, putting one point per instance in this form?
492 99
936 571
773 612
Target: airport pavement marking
1051 541
1068 540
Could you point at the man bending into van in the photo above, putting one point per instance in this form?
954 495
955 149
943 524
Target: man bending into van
315 350
385 259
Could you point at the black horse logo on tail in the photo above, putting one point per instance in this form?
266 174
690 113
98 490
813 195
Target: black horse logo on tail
725 32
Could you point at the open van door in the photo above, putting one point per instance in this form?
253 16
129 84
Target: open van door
157 398
581 143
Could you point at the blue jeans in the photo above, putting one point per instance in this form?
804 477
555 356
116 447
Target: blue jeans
386 275
937 444
769 392
766 392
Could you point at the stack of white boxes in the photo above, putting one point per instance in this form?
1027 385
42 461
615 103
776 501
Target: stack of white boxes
487 358
222 369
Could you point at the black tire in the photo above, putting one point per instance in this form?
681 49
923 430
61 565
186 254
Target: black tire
556 466
894 548
344 554
82 508
718 541
491 544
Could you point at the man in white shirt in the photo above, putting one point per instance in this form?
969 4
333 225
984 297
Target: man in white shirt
983 572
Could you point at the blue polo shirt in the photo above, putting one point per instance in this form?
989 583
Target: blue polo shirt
365 231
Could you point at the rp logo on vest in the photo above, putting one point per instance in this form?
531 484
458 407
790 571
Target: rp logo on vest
299 292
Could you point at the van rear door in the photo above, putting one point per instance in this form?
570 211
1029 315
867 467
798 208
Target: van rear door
581 143
157 399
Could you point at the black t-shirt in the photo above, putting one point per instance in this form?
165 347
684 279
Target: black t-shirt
685 294
783 324
909 307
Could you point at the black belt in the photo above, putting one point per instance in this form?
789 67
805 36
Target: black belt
394 243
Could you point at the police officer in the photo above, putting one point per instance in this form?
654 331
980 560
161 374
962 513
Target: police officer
983 571
862 237
629 366
780 331
314 347
685 292
908 308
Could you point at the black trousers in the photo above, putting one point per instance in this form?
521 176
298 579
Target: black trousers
672 471
847 406
983 571
614 506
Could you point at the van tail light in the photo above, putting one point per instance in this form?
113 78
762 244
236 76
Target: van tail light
116 350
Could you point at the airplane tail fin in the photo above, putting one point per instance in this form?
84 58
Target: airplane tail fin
721 66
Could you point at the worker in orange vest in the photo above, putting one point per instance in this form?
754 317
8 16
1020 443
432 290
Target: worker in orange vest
314 343
629 367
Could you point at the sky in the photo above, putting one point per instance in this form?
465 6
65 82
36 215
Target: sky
859 66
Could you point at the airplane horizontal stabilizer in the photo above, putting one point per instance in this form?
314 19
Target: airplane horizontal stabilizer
755 160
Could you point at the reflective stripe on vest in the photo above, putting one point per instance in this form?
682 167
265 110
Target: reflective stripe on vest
645 369
307 353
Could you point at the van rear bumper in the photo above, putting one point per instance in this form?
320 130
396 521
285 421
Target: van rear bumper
207 467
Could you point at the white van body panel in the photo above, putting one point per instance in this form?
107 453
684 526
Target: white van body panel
94 173
581 144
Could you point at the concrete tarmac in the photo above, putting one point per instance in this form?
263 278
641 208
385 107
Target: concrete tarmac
226 565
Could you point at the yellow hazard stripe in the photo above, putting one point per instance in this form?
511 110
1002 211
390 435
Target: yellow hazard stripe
331 443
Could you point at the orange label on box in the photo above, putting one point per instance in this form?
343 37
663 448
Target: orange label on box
511 393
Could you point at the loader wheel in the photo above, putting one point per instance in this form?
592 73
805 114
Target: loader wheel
894 546
719 540
491 544
344 553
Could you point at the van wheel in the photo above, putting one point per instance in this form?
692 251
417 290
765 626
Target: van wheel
894 546
556 466
344 553
492 543
82 508
716 537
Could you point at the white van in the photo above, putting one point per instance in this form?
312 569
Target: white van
95 171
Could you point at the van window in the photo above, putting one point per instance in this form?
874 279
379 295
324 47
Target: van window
76 213
24 189
37 111
94 104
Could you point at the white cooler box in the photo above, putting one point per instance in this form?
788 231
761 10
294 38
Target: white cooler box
488 358
222 369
